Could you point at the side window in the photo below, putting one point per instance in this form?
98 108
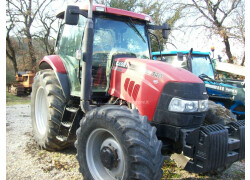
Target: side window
71 38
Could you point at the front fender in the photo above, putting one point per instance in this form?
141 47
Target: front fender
54 62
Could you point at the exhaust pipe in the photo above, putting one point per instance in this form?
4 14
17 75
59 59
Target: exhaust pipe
86 82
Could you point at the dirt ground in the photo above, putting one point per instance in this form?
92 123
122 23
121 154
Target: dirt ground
24 160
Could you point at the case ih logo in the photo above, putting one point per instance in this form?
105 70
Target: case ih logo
121 64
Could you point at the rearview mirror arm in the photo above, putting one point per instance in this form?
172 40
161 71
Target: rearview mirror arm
83 13
155 27
158 44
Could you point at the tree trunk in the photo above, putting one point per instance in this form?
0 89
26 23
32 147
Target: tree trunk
31 51
15 65
243 60
10 52
228 51
13 60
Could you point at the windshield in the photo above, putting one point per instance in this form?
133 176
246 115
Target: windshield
172 59
202 65
120 34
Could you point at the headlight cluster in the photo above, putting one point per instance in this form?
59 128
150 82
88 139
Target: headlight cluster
180 105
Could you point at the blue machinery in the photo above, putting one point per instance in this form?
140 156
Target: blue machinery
227 92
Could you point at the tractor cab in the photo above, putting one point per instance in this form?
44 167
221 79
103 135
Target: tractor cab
116 33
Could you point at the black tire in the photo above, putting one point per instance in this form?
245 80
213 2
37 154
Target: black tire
54 101
135 136
218 114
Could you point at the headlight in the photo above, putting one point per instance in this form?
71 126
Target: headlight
180 105
203 105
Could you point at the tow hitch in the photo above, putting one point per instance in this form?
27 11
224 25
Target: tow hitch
214 146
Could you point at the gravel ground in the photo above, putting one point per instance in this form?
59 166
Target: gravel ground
24 160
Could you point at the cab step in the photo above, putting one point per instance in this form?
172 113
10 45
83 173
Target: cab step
72 109
61 138
66 124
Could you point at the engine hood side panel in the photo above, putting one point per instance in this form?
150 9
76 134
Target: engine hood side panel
141 81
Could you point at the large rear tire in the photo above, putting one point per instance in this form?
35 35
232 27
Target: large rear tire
47 106
117 143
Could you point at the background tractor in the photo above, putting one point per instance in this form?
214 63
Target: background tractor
229 93
23 83
123 110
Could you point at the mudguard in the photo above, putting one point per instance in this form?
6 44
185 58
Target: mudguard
54 62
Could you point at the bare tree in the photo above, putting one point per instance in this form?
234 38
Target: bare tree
239 29
26 12
10 50
46 19
217 17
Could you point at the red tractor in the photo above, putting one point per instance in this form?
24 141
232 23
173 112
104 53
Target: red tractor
123 110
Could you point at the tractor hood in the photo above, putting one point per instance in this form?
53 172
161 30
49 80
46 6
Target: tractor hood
141 81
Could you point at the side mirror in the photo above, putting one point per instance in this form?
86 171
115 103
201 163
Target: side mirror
71 15
165 31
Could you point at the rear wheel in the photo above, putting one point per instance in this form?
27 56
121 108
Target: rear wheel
47 106
118 143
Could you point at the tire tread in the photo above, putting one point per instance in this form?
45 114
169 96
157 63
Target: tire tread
139 136
57 103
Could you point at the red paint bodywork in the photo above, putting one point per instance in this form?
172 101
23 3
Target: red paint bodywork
55 62
148 89
136 83
119 12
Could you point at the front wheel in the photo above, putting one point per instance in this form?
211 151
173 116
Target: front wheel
118 143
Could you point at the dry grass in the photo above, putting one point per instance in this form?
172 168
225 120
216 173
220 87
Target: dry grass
13 100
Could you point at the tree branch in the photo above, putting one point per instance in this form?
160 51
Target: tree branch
233 6
202 12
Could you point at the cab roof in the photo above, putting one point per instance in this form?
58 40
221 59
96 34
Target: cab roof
184 52
109 10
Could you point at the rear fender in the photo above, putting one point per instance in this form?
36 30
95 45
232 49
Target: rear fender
54 62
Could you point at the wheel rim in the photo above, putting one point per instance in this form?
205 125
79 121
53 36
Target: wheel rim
41 110
97 140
